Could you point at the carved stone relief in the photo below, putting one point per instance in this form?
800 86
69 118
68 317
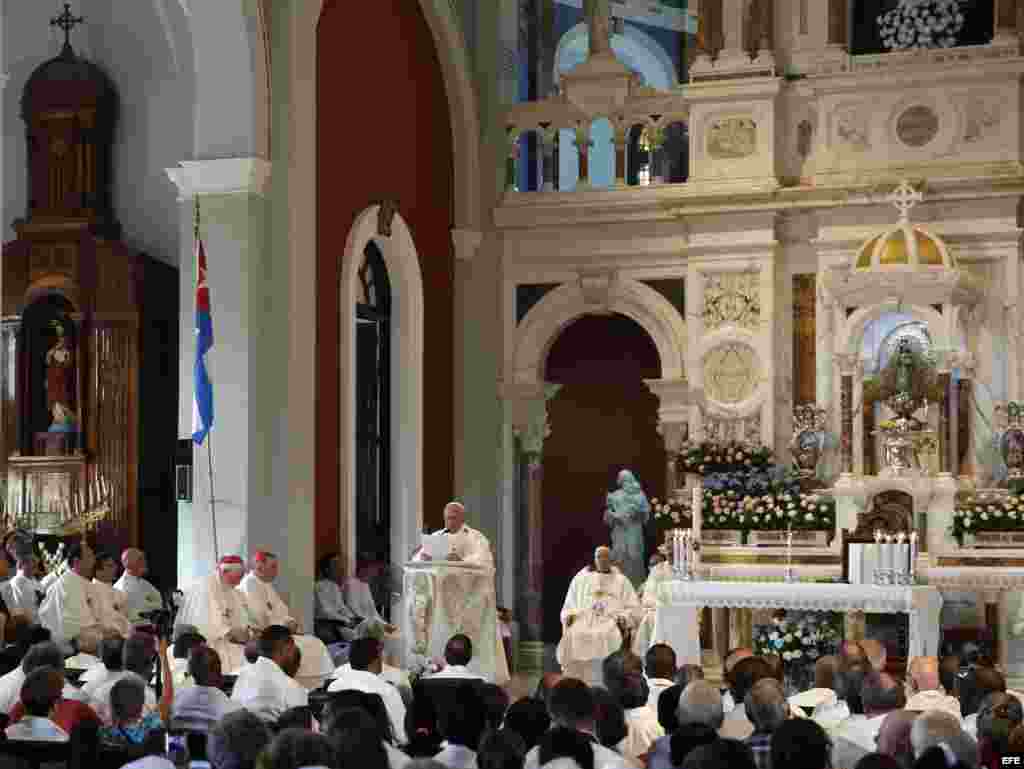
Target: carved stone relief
917 126
983 116
746 430
804 135
852 127
732 298
731 372
732 138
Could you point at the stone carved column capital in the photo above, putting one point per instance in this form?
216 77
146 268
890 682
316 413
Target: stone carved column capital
848 363
526 406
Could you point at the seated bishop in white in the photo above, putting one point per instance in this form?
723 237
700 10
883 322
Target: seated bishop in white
108 603
266 608
69 610
218 611
600 605
141 596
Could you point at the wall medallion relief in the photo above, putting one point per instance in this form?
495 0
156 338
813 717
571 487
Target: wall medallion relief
732 298
917 126
732 138
852 127
731 372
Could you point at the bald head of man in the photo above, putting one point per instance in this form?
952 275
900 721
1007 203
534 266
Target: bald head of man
923 673
700 703
603 559
134 562
454 517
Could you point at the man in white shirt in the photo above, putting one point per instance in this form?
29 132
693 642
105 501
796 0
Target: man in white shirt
39 695
218 610
266 608
598 607
200 706
137 657
660 669
880 694
572 706
68 610
267 687
22 593
108 602
186 638
465 543
334 621
457 655
366 663
142 596
624 678
41 655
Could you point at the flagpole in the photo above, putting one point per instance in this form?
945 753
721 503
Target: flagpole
209 437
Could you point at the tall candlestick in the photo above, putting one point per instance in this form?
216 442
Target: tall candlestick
913 556
901 556
887 558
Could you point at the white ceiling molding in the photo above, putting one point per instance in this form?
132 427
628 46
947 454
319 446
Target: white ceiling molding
223 176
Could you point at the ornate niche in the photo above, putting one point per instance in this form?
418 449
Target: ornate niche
86 330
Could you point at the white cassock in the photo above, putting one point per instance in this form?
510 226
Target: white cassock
141 595
596 600
470 545
67 611
265 609
358 598
21 592
215 610
108 605
642 638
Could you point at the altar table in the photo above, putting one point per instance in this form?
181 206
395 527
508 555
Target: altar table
443 598
678 602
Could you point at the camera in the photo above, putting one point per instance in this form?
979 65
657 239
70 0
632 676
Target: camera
161 620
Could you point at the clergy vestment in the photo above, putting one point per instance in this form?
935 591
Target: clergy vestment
216 610
267 691
470 545
265 609
595 601
645 616
108 604
68 612
141 597
24 593
365 681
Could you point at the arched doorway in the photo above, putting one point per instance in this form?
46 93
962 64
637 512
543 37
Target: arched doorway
603 419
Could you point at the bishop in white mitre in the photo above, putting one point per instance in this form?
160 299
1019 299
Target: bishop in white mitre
68 610
140 595
600 605
108 603
215 607
266 608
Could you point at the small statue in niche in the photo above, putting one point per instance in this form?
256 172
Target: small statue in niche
60 374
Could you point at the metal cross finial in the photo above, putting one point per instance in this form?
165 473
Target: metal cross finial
67 22
905 197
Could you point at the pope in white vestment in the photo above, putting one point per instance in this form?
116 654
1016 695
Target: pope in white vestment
266 608
218 610
141 595
600 604
68 610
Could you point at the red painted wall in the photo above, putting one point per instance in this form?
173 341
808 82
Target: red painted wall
383 131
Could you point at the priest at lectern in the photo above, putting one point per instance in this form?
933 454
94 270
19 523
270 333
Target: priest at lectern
450 590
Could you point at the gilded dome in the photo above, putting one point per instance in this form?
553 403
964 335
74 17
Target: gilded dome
905 246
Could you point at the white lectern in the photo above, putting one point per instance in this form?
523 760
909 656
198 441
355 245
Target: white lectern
444 598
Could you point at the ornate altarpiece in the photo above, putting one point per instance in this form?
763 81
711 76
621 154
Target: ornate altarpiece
88 326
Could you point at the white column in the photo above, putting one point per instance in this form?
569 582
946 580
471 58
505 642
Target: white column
733 18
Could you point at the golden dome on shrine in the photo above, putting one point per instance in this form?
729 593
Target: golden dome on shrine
906 245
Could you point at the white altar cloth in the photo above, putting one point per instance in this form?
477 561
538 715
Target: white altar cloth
443 598
678 601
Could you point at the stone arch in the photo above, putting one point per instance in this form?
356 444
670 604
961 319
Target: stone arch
558 309
852 333
406 397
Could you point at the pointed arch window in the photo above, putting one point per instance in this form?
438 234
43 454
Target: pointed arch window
373 406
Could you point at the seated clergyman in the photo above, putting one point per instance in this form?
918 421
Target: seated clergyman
141 597
68 610
218 611
599 607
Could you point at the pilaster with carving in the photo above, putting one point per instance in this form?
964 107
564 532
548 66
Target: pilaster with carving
526 406
945 361
847 363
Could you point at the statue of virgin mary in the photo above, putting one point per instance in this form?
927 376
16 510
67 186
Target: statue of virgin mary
628 511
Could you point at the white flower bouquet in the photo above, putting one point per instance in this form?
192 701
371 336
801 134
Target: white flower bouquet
921 24
987 512
796 641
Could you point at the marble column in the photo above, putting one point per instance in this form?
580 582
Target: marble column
847 364
583 143
733 22
966 417
548 147
619 140
511 158
945 459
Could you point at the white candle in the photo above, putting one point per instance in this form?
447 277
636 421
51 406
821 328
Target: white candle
697 494
901 554
913 554
887 554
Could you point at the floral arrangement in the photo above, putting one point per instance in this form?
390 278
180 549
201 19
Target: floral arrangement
987 512
921 24
709 457
798 640
768 512
671 513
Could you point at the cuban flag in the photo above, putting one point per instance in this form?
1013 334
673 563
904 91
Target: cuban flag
202 399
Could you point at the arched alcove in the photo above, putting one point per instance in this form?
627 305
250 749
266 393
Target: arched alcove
602 419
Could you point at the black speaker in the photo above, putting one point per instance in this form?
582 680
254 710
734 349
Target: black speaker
183 470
